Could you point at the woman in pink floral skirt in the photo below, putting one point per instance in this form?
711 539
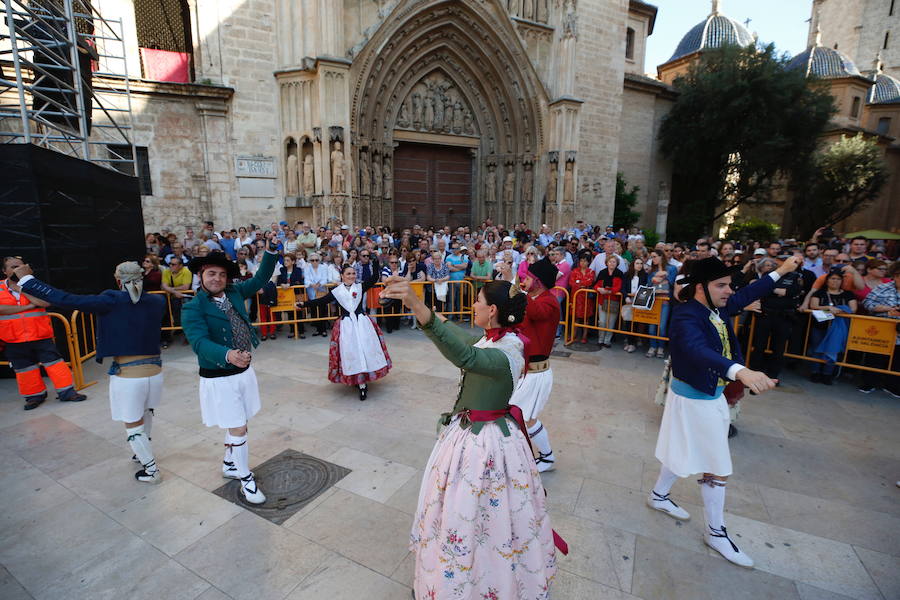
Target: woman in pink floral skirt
481 529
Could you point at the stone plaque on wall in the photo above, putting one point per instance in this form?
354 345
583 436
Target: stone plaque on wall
255 166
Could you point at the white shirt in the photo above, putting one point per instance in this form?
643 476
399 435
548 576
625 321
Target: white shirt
599 263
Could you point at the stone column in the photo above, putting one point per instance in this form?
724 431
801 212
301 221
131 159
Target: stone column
217 158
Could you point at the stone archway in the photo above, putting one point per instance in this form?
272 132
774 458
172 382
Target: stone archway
453 73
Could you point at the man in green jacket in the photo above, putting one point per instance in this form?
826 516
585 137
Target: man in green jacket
216 324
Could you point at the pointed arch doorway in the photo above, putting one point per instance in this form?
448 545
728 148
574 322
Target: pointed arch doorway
432 185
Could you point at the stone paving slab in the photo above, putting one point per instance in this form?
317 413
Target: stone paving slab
812 498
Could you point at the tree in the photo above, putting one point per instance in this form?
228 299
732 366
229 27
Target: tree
844 178
623 215
752 229
740 120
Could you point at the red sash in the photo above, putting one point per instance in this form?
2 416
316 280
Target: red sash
484 416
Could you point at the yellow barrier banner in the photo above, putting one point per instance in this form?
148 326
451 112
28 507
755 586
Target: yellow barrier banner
651 316
286 300
870 335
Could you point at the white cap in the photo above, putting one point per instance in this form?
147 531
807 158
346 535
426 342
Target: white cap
507 239
461 248
759 252
345 227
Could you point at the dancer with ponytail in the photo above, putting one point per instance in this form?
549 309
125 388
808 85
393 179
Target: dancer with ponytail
481 528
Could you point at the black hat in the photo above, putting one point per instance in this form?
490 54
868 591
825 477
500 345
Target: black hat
708 269
218 259
545 271
584 253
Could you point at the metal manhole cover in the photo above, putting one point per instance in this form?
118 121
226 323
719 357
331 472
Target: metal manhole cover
289 480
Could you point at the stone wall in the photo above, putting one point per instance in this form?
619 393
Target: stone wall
599 75
639 158
858 28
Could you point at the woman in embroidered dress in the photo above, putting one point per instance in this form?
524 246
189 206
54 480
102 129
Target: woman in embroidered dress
481 529
357 354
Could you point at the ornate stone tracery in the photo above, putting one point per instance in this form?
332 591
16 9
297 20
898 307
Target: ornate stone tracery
451 69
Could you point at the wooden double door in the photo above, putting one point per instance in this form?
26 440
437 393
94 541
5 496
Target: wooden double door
432 185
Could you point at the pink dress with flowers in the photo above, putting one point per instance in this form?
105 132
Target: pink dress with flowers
481 530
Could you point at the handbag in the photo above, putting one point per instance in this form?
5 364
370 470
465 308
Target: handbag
663 388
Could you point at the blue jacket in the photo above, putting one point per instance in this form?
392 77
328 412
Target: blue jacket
123 328
207 328
694 343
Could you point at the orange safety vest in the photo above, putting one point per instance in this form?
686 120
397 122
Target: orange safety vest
26 326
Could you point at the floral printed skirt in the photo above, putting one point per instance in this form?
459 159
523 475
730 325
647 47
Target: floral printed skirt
481 530
335 375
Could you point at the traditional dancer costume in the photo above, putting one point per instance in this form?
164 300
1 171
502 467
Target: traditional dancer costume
481 528
539 328
357 354
127 330
693 435
229 395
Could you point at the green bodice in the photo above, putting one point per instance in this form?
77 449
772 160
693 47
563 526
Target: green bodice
485 383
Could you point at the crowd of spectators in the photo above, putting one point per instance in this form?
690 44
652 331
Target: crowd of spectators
839 275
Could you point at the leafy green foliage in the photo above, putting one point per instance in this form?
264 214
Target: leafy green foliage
845 177
741 119
623 213
752 229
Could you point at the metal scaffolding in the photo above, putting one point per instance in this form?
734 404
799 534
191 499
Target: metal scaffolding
64 81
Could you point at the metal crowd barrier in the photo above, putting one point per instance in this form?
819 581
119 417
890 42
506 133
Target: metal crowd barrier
613 302
70 345
287 297
866 336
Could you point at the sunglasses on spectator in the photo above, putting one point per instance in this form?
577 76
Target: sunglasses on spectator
314 260
364 256
172 264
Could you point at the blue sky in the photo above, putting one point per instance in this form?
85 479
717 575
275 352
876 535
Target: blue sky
782 22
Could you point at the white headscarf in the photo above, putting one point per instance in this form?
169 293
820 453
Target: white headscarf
131 279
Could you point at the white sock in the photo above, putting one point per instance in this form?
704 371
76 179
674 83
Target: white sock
713 504
238 453
140 445
665 481
148 422
539 436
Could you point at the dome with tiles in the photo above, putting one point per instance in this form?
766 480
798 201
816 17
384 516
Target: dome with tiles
823 62
886 90
715 31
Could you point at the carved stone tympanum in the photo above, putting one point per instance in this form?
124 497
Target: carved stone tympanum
437 106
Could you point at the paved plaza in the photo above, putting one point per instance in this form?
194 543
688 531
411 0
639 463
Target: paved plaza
813 499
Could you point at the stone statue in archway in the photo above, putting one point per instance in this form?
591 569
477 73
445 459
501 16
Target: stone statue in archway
337 170
569 183
490 186
402 116
376 176
388 176
417 110
428 118
468 125
457 117
364 173
308 176
509 187
292 175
